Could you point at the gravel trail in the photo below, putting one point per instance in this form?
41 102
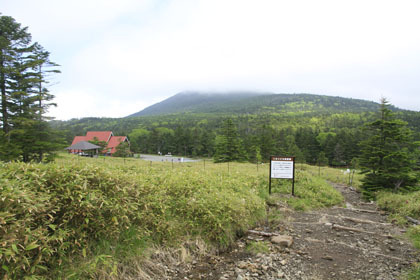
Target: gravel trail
352 242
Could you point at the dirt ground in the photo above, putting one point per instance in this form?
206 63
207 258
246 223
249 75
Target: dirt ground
352 242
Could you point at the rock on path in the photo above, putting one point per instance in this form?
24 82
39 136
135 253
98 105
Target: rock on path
355 242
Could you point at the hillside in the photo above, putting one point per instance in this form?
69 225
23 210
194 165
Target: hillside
195 102
252 103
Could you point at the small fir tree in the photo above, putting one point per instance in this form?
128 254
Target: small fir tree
228 145
387 156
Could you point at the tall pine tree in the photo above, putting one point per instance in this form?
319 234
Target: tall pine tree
24 71
387 155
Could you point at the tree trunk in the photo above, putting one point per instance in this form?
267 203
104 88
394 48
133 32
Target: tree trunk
4 115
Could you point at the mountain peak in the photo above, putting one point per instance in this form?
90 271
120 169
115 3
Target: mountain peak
194 101
253 102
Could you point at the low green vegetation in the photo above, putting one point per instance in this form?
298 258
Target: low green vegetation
311 192
414 234
414 274
350 177
83 218
400 205
255 247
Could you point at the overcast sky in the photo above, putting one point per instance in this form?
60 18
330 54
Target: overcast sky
118 57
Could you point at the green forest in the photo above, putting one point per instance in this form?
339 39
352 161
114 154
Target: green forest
301 125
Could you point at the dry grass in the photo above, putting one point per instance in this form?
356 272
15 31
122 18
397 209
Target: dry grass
160 261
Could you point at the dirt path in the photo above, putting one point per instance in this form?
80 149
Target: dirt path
355 242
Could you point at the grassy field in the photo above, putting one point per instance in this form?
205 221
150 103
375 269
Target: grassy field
336 175
101 218
400 205
107 218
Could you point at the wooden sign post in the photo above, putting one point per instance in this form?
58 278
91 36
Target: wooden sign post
282 168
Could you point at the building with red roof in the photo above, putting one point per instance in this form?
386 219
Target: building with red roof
105 136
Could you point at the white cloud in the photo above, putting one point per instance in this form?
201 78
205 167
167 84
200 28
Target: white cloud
80 103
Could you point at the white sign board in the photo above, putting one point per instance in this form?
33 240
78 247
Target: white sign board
282 167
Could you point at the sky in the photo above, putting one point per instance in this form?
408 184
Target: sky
118 57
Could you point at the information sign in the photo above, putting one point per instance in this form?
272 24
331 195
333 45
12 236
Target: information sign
282 168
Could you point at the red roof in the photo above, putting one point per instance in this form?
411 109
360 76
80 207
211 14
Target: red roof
115 141
100 135
77 139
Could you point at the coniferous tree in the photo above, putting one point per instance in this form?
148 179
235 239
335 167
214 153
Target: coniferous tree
221 151
14 40
289 148
24 97
339 159
43 68
266 142
228 145
387 156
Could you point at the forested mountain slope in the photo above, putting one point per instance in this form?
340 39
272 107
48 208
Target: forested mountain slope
251 103
194 102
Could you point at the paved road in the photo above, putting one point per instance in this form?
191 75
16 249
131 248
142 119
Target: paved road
167 158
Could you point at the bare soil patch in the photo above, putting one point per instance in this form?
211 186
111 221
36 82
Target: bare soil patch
352 242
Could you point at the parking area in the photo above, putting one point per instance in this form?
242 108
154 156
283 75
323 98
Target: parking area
167 158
